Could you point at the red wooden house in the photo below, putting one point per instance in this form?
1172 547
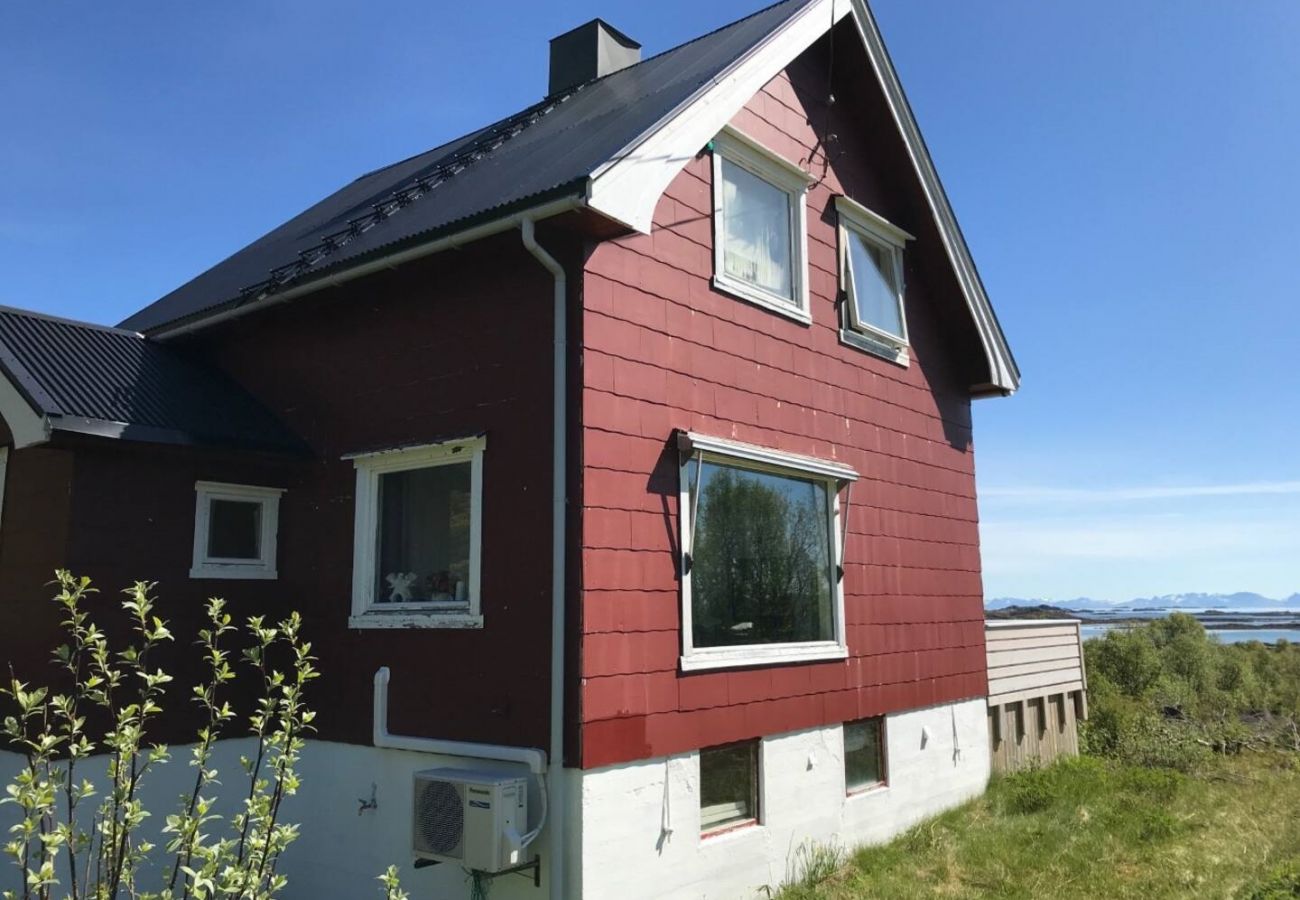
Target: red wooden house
630 436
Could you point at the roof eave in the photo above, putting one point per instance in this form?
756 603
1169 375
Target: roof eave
563 199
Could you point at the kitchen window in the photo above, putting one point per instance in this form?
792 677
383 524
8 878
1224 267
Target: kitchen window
759 225
761 555
235 530
728 787
871 275
417 536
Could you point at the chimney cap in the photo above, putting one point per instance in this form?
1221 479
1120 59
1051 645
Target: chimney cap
598 22
592 50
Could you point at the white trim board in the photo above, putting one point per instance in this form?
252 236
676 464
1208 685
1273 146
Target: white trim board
27 426
627 187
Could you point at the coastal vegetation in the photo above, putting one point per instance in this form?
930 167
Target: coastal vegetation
1189 786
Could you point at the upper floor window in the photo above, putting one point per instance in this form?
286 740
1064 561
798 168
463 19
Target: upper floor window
872 278
235 527
761 578
759 225
417 536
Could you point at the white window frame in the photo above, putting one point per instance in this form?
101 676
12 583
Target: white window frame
885 236
694 446
264 567
742 150
366 612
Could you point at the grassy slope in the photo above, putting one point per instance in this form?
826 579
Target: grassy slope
1091 828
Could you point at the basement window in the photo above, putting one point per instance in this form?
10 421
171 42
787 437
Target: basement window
864 754
417 536
759 225
761 555
235 528
728 787
871 276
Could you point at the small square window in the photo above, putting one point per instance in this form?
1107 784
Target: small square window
235 529
864 754
416 552
759 225
872 279
728 786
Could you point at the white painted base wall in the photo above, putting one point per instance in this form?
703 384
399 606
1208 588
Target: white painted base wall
625 853
641 821
340 851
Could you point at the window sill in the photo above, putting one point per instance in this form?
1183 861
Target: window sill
731 830
894 353
779 654
867 790
768 301
250 573
409 619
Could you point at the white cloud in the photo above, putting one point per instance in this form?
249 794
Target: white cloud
1032 494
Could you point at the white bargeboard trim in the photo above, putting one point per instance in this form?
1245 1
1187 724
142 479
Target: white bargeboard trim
627 187
27 427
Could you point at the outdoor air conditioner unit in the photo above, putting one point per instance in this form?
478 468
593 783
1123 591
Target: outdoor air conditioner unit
472 818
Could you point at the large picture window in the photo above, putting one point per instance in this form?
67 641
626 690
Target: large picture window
759 225
416 555
872 279
760 555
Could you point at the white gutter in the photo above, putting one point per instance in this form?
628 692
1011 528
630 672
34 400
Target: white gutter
531 757
450 242
559 499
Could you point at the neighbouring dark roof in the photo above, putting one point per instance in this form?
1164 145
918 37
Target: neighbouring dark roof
115 383
545 151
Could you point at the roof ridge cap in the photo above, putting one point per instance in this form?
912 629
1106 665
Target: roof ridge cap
412 190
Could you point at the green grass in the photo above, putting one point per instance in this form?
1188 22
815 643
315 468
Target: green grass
1094 828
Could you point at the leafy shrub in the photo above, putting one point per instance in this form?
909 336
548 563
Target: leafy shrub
1168 694
58 845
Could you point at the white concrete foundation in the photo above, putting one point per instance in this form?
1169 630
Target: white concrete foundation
641 822
341 850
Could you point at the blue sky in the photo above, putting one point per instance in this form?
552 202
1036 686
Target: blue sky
1124 172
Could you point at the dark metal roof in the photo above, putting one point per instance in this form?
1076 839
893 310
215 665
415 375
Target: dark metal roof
115 383
545 151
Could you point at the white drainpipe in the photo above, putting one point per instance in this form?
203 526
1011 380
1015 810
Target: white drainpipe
529 756
559 496
549 766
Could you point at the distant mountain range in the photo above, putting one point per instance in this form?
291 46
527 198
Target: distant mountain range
1239 601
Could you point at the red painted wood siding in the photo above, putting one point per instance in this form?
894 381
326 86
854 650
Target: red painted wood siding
457 344
665 351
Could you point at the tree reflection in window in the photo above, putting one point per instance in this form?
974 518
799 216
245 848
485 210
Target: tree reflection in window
761 562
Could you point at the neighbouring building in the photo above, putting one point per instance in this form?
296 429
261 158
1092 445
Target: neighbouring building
629 436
